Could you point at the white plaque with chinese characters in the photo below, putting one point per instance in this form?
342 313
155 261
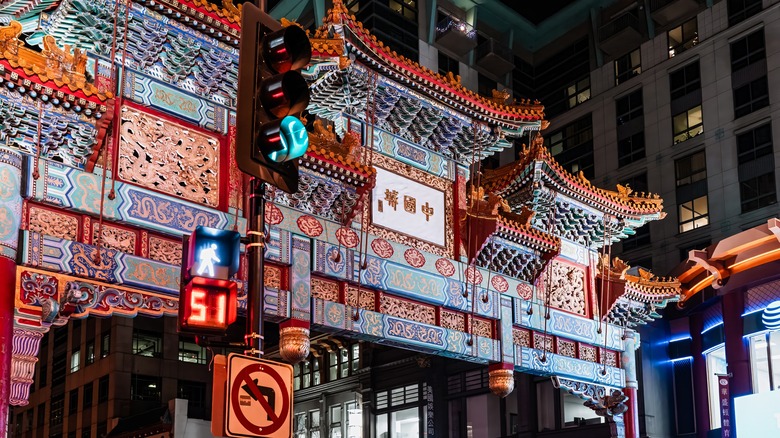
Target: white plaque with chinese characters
403 205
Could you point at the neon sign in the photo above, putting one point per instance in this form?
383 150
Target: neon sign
207 305
771 316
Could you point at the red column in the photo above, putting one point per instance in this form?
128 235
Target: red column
7 287
700 389
631 417
737 354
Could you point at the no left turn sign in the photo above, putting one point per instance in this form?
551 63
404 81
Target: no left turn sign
259 398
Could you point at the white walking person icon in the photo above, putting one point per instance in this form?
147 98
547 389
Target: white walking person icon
207 257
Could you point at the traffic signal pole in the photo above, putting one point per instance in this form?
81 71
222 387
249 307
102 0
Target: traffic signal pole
270 136
256 260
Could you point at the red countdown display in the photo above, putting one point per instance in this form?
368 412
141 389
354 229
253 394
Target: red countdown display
207 305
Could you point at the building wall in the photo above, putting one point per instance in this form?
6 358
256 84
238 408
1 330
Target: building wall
718 140
119 363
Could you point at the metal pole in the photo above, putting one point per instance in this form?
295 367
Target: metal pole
255 258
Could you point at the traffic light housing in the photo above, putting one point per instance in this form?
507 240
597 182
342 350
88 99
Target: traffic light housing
208 298
271 94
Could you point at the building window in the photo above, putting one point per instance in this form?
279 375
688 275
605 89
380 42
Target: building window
191 352
75 361
307 373
629 107
147 343
41 414
740 10
691 169
627 66
103 389
57 410
716 364
406 8
485 85
89 358
758 191
683 37
755 155
88 395
631 149
59 368
105 344
575 413
193 392
693 214
754 144
398 412
751 97
42 376
748 50
448 65
684 80
145 388
578 92
687 124
760 347
73 401
572 146
640 238
637 183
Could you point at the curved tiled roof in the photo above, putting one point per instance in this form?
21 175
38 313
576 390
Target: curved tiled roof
623 200
324 44
63 68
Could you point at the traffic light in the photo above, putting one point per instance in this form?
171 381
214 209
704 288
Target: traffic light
271 94
208 298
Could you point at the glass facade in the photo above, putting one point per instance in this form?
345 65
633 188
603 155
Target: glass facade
716 364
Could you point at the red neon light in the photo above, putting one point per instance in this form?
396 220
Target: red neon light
207 305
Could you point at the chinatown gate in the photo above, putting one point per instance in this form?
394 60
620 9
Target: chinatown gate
394 237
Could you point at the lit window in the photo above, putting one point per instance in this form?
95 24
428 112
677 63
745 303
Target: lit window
191 352
147 344
716 364
90 354
578 92
760 346
687 124
75 361
105 344
627 66
683 37
145 388
693 214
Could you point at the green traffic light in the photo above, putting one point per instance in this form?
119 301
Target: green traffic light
294 139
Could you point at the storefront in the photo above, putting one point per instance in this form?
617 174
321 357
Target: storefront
725 336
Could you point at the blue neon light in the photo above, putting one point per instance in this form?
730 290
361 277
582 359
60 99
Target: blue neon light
712 327
771 316
294 138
